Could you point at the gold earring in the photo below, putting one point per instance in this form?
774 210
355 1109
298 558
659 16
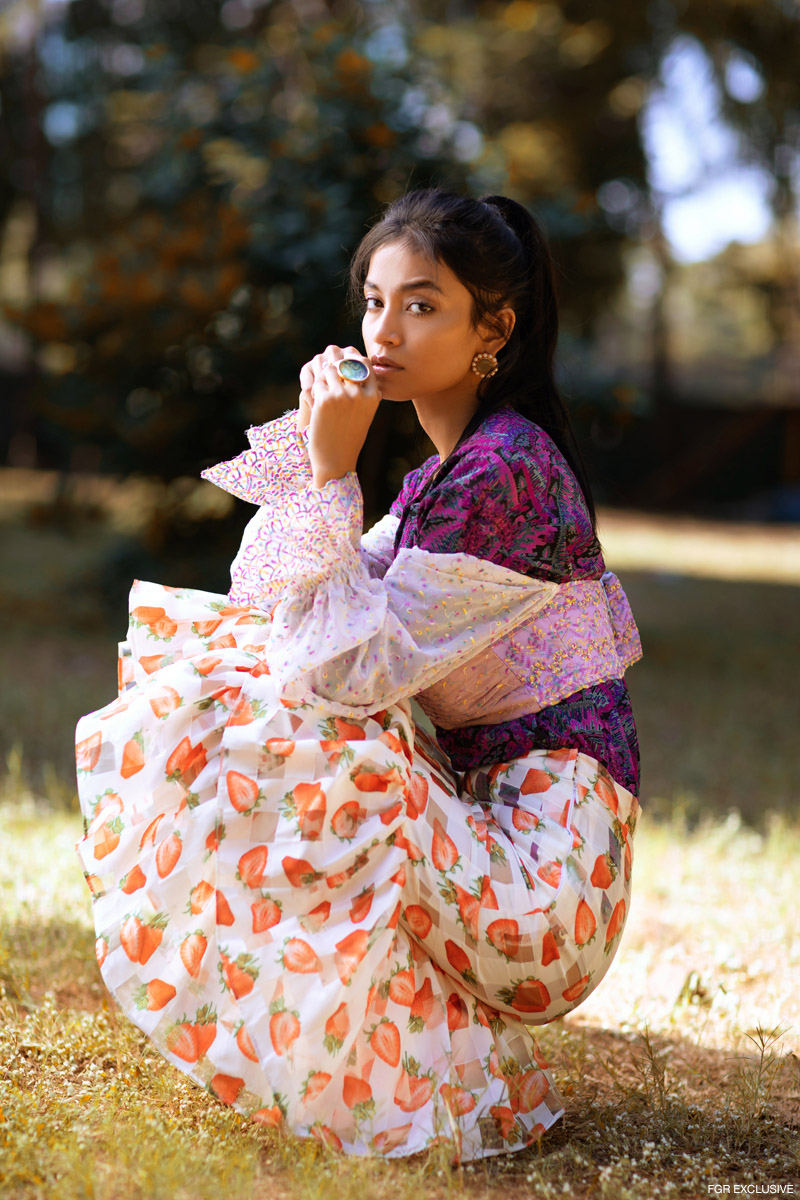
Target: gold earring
484 365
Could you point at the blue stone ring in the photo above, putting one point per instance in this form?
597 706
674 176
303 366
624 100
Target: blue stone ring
353 370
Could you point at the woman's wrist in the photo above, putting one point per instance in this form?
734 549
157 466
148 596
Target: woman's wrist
321 476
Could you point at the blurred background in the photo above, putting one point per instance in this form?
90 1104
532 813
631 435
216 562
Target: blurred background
181 185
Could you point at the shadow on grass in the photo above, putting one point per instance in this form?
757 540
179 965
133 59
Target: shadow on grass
40 956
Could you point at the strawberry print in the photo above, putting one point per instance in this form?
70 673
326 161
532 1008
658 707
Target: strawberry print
550 950
417 795
299 872
133 758
349 953
550 873
245 1042
401 988
467 904
200 897
615 924
306 804
106 838
193 948
243 791
536 781
186 762
281 747
222 909
457 1013
326 1136
252 866
313 921
504 935
422 1007
298 955
168 854
311 914
576 990
346 820
87 752
526 996
359 909
357 1095
101 950
385 1041
585 924
284 1028
460 962
239 975
181 1041
457 1099
154 995
414 1089
165 702
266 913
315 1085
227 1087
418 920
337 1028
444 853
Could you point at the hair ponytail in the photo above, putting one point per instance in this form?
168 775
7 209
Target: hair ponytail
528 378
499 253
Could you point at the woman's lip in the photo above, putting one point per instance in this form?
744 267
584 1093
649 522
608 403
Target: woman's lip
385 364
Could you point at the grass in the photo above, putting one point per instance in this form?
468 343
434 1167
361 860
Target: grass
682 1070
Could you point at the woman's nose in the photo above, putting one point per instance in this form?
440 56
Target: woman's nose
385 329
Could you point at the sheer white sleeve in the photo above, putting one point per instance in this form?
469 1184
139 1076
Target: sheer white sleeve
377 546
349 625
362 643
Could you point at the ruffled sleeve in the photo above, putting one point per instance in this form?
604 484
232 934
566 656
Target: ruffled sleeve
351 623
275 466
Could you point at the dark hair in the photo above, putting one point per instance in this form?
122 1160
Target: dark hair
499 253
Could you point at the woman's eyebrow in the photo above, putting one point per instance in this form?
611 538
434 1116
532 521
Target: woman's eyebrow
412 286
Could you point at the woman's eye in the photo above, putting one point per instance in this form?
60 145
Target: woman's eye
372 302
420 307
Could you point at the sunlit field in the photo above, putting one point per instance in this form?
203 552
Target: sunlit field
680 1072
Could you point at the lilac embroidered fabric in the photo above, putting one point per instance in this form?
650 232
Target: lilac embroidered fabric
507 495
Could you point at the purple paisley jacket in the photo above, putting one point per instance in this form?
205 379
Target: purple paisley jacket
507 494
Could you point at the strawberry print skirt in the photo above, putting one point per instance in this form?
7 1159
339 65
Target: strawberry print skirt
315 918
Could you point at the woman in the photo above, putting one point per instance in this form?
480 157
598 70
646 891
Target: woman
325 916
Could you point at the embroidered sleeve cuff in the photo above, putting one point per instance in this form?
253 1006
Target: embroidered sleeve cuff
276 465
300 542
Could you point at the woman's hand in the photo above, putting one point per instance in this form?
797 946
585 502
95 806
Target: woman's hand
338 413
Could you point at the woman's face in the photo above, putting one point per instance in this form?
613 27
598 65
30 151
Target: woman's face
417 328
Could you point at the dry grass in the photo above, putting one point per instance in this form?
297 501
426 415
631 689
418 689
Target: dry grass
681 1070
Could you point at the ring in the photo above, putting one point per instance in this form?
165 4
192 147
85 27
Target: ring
352 370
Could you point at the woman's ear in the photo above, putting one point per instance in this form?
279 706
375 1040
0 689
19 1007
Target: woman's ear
496 335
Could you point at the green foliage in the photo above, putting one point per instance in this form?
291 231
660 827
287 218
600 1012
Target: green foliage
193 176
200 189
